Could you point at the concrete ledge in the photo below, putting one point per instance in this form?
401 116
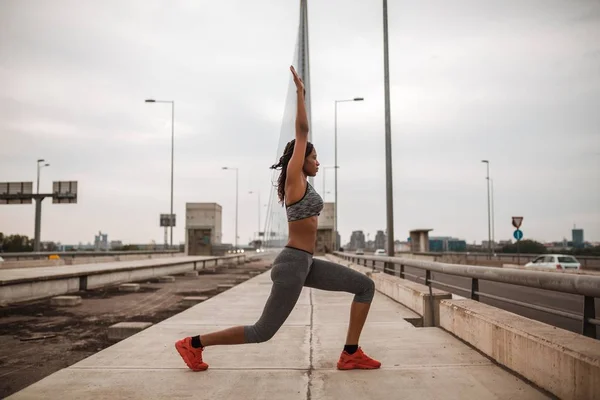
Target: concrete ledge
564 363
200 292
224 286
129 287
166 279
65 301
123 330
193 300
419 298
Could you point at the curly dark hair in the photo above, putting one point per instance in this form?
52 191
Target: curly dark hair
283 163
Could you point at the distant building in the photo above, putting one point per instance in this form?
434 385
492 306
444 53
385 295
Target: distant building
380 240
101 242
116 244
419 240
442 244
578 237
357 240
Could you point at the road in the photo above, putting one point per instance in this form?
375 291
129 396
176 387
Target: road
561 301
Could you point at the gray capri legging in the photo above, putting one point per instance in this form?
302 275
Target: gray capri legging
294 269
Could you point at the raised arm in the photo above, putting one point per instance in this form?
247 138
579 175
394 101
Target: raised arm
294 169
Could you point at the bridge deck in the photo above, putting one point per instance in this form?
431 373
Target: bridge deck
298 363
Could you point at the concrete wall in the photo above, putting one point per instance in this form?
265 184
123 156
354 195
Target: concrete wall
326 219
562 362
37 290
82 259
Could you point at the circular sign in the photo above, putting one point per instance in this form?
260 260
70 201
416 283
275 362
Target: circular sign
518 234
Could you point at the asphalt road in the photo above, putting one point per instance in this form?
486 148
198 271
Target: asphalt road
561 301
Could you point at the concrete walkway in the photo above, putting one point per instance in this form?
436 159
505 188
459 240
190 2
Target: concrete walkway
297 364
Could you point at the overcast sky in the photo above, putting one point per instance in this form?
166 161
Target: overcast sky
515 82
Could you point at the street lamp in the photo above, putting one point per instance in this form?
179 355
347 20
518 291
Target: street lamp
336 167
389 182
258 231
236 203
487 163
39 167
493 215
171 219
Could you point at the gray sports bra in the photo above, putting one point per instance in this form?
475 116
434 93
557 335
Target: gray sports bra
309 205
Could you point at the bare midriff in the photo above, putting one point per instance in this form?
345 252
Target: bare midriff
303 234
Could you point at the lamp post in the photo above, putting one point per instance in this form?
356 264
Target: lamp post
258 231
493 217
236 203
389 183
171 219
487 163
336 167
39 167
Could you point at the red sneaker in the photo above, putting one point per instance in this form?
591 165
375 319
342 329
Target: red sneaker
191 355
358 360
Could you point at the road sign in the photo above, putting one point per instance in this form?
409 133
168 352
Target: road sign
64 192
16 192
166 221
518 234
517 221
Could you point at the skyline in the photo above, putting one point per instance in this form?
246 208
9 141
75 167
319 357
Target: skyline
513 83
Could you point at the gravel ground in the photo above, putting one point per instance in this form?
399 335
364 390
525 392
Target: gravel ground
38 339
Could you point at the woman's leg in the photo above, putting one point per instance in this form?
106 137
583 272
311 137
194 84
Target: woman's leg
326 275
288 275
330 276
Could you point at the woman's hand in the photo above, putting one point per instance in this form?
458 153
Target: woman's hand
298 81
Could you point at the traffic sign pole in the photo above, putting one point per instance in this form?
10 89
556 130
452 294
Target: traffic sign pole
518 235
516 222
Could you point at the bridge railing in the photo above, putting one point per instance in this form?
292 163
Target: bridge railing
587 286
74 254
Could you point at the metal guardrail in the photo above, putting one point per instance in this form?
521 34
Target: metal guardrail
75 254
587 286
591 262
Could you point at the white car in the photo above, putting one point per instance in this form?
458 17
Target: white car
554 261
359 252
380 252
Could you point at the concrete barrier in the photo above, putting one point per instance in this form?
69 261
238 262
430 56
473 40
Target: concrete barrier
25 284
419 298
65 301
564 363
81 258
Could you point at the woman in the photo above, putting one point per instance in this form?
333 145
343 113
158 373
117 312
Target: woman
295 266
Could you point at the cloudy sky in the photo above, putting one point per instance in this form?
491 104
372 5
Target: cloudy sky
515 82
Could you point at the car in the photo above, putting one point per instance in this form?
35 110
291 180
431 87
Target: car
360 252
380 252
555 261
